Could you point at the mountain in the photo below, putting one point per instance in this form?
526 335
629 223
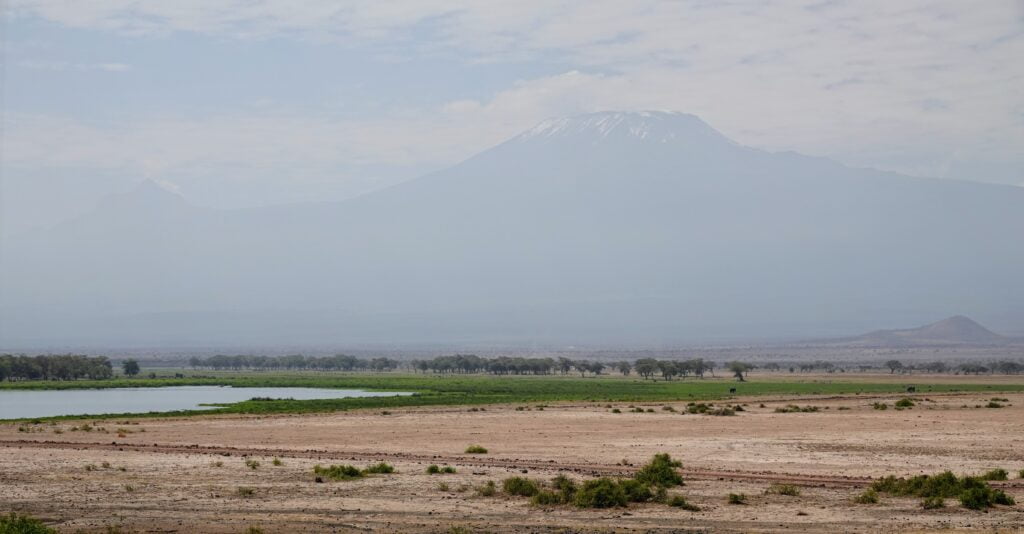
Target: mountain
610 228
956 330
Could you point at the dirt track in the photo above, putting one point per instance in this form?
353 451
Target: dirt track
170 481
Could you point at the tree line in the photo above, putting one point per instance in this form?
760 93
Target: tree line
1005 367
54 367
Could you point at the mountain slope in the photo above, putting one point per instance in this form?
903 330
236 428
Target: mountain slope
633 228
956 330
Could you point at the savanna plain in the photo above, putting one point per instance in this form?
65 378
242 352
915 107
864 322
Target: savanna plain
563 454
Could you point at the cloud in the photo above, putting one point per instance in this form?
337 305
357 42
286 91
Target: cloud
918 86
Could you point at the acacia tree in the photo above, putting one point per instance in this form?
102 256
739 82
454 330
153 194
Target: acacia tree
894 365
130 367
738 369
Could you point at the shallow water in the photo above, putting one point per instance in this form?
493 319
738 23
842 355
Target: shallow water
48 403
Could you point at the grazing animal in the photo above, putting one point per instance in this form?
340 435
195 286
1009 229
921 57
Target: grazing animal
911 389
732 390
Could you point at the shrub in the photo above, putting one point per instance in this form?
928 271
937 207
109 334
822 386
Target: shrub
600 493
869 496
661 471
993 404
23 524
679 501
932 503
905 403
944 484
546 498
793 408
523 487
565 486
973 492
880 406
721 412
635 490
277 462
252 464
616 410
245 492
442 486
1020 474
475 449
433 469
737 498
448 470
697 408
337 472
783 489
379 469
487 490
995 474
975 499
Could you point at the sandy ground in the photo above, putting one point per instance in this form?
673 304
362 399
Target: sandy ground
183 475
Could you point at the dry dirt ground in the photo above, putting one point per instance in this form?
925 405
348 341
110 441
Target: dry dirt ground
184 475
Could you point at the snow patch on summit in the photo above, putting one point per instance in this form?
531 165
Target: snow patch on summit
651 126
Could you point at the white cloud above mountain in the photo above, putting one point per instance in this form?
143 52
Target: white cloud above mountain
919 86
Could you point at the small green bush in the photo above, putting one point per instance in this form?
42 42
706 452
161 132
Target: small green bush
338 472
520 486
975 499
1020 474
905 403
475 449
783 489
793 408
23 524
252 464
869 496
995 474
880 406
932 503
661 471
488 489
565 486
435 470
678 501
546 498
379 469
245 492
600 493
737 498
616 410
635 490
993 404
973 492
277 462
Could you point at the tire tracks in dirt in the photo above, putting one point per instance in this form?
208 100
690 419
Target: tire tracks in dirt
463 460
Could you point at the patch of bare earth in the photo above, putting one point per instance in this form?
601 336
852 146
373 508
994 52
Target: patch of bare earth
183 475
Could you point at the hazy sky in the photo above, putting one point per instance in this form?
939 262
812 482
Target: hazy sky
240 102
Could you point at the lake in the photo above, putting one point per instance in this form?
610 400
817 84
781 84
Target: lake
48 403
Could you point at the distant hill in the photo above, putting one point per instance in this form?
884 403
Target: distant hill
956 330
